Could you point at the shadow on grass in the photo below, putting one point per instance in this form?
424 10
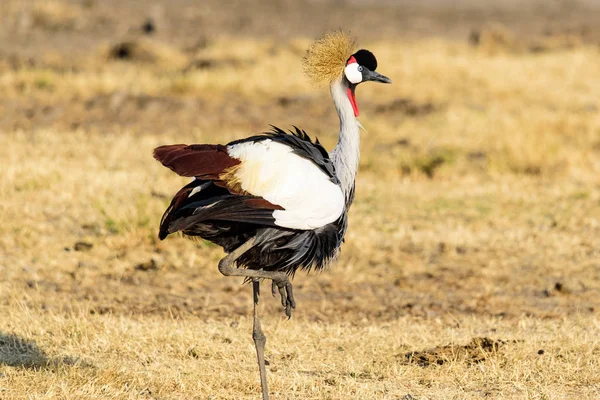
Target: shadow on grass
18 352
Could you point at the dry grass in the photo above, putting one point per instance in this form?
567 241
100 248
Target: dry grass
477 215
128 357
48 15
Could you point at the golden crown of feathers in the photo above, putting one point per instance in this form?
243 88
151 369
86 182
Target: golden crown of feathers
326 58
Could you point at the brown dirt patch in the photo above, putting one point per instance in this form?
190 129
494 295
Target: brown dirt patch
476 351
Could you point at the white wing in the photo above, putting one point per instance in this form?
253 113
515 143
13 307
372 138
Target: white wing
271 170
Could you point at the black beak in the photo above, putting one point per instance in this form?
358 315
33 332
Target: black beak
375 77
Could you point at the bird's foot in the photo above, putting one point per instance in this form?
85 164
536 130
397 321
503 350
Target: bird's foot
285 291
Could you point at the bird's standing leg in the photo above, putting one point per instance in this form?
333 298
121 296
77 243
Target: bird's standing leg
280 279
259 340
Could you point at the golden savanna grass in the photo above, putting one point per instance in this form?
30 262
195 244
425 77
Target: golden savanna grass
470 268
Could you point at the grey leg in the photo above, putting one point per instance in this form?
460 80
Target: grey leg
259 341
280 280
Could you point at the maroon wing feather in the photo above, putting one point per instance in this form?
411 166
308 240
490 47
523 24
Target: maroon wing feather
204 161
208 162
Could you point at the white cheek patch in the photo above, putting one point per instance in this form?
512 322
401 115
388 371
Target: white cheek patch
352 73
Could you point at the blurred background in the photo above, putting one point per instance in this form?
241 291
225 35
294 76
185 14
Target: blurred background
187 37
474 241
181 41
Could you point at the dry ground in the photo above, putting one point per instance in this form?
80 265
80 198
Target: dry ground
471 267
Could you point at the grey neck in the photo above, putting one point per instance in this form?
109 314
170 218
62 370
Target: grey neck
346 154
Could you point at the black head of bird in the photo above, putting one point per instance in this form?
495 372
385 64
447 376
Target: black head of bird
333 60
360 67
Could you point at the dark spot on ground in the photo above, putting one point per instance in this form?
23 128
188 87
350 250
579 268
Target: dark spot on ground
212 63
477 155
407 107
475 351
148 27
83 246
286 101
429 166
150 265
122 51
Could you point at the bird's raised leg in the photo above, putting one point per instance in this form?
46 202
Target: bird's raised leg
259 341
280 279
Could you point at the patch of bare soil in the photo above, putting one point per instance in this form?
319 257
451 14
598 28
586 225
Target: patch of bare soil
408 107
495 38
476 351
154 285
140 113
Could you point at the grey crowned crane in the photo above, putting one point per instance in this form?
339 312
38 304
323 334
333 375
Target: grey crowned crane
276 201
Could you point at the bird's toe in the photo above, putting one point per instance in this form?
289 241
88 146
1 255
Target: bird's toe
284 286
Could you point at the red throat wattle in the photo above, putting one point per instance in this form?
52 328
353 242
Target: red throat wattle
352 99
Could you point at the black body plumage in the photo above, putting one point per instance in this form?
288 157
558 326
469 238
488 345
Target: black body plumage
206 209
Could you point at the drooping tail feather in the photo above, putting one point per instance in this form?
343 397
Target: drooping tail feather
202 201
